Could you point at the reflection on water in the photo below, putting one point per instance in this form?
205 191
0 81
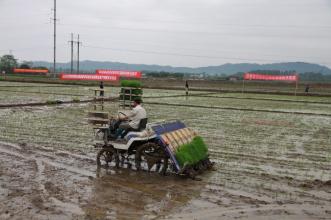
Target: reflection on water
127 194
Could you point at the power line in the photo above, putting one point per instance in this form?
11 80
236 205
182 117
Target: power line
169 47
229 25
72 53
174 54
188 55
165 53
72 42
10 26
193 33
25 14
32 48
78 44
152 20
163 45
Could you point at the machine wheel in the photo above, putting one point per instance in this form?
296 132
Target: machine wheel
108 156
150 154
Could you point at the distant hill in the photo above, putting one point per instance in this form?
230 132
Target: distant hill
227 69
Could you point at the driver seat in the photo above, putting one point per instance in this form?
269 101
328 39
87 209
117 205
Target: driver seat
142 126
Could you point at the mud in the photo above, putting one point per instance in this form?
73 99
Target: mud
38 183
269 165
317 184
56 102
35 184
239 109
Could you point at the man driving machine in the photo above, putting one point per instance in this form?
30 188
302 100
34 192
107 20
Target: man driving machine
131 121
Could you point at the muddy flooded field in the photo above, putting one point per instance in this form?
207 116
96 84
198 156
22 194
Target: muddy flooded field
269 165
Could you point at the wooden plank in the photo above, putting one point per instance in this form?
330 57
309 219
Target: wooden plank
164 137
97 114
178 137
172 148
190 134
105 127
185 133
171 140
96 121
175 139
185 139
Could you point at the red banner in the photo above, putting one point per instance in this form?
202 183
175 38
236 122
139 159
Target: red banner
30 71
258 76
119 73
88 77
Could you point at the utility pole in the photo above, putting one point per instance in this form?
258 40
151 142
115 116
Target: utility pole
54 21
72 53
78 44
72 42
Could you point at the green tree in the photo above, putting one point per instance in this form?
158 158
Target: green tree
40 68
8 63
26 65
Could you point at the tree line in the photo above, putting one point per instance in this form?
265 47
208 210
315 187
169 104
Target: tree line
8 63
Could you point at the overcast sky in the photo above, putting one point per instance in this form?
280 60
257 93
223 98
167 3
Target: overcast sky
170 32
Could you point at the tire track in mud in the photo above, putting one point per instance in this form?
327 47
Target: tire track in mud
264 99
54 138
71 94
271 187
42 93
181 95
167 104
272 212
239 109
41 158
52 103
261 159
121 188
40 197
237 188
202 95
128 193
252 176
